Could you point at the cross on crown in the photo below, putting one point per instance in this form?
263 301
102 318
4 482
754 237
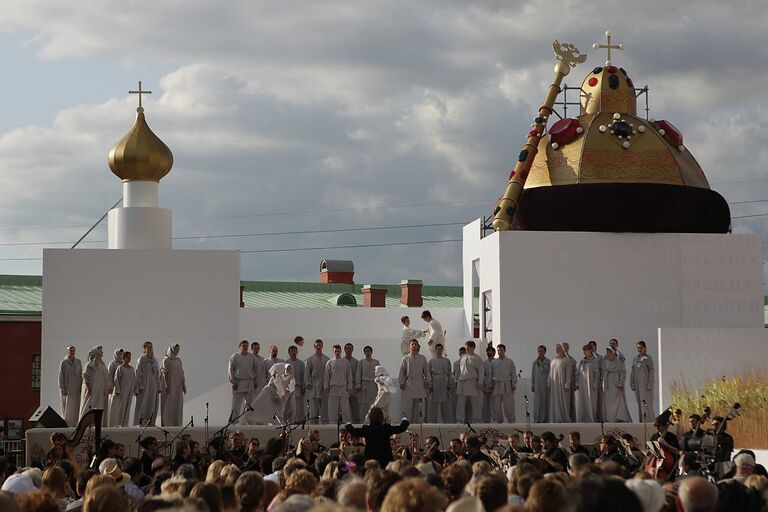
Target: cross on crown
608 46
140 92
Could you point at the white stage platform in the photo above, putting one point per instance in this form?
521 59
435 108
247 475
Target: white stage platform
129 435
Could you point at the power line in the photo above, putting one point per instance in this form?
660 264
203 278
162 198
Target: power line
266 233
391 244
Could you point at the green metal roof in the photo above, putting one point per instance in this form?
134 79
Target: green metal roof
23 295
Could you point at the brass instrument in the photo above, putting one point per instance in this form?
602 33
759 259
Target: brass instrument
568 56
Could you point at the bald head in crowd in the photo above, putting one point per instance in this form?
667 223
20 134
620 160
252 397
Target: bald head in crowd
696 494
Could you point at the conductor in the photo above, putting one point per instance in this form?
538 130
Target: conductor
377 436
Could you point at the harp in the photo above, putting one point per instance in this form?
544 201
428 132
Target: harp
92 418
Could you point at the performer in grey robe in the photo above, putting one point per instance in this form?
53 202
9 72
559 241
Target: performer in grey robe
615 408
441 373
490 354
95 384
504 379
408 334
574 378
560 386
614 343
641 381
338 384
315 378
123 390
589 387
455 384
70 384
353 365
148 384
243 371
295 408
540 386
366 387
386 387
113 365
261 373
266 364
268 407
415 381
471 382
174 388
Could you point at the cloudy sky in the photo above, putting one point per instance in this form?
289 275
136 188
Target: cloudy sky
305 115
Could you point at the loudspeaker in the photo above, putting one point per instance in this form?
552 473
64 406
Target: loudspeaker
45 417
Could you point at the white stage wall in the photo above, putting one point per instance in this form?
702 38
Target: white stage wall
573 286
694 356
378 327
120 298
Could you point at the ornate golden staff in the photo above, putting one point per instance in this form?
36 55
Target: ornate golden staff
567 56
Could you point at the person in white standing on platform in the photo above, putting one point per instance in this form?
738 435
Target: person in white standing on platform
599 357
614 376
315 366
590 370
455 382
148 387
573 368
408 334
470 385
386 387
242 371
338 384
174 388
641 381
441 373
70 384
490 355
560 386
614 343
415 381
540 385
123 390
269 362
353 365
95 384
504 379
435 333
116 361
295 409
269 405
366 387
261 373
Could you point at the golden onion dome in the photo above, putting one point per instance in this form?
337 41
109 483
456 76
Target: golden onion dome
140 155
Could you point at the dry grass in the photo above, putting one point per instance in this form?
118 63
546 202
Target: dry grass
750 389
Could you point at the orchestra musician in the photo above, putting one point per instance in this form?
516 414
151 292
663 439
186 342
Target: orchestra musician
552 457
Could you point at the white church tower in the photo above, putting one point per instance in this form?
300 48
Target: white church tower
140 159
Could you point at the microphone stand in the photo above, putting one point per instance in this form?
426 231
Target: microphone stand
645 424
470 428
168 444
527 415
206 424
421 420
141 434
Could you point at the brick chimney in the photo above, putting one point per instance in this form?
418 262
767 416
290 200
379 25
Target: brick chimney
337 271
374 296
410 293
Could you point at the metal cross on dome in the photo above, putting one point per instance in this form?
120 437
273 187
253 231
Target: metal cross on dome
140 92
609 47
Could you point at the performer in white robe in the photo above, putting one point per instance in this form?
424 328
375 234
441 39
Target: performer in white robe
123 390
408 334
269 405
641 381
338 384
295 407
490 355
113 365
386 388
615 408
366 387
95 384
540 386
504 379
243 371
614 343
441 373
315 379
173 390
261 373
70 385
470 385
353 364
435 332
415 381
589 387
560 386
455 370
148 384
573 368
